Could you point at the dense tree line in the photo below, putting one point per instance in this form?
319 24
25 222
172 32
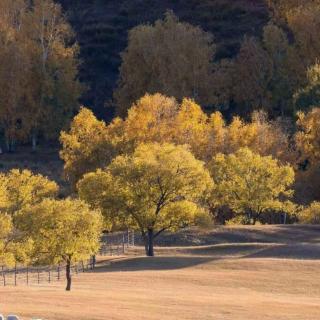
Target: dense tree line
138 170
277 73
38 71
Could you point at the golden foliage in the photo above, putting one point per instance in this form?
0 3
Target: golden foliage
154 189
308 136
310 214
86 146
169 57
20 189
61 230
250 184
38 71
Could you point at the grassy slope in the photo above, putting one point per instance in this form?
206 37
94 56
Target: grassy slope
235 281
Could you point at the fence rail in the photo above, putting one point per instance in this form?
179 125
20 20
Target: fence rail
112 244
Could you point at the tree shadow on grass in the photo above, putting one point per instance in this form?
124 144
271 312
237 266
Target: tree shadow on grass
277 242
242 234
153 263
296 251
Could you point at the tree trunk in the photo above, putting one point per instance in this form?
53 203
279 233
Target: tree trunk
146 246
150 252
34 142
68 275
10 143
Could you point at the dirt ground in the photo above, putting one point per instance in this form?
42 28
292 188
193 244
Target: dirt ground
236 281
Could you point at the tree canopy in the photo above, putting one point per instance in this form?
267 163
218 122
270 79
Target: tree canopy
251 184
170 57
154 189
65 231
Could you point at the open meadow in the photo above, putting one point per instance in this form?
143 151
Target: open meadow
238 274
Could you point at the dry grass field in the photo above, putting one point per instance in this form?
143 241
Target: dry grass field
252 278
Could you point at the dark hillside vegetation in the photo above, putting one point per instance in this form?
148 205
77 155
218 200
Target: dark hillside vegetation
101 28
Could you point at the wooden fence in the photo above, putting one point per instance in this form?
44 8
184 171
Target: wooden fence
112 244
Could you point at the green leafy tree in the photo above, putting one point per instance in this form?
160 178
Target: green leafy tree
251 184
63 231
155 189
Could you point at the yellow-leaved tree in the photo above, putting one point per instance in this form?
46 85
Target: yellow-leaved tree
19 189
65 231
86 147
308 136
170 57
307 141
154 189
6 227
91 144
251 184
310 214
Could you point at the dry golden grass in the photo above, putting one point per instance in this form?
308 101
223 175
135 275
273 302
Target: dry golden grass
234 281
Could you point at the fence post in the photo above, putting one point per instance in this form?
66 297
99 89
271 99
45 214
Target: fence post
49 275
27 276
128 238
82 266
38 275
133 238
58 271
4 277
123 241
15 274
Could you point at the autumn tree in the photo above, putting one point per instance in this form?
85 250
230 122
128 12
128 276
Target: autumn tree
309 96
251 184
170 57
63 231
310 214
91 143
308 136
39 89
253 72
154 189
6 227
56 88
307 143
282 84
19 189
14 70
88 145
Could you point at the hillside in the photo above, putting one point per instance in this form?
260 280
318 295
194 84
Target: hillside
101 28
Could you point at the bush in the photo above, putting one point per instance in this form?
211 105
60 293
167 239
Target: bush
310 214
239 220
